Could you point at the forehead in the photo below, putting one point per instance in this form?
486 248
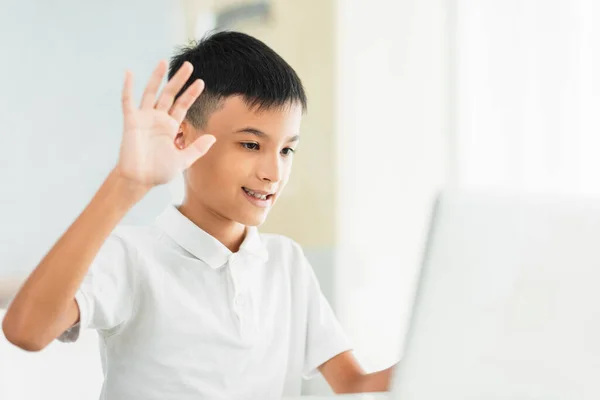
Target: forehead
234 114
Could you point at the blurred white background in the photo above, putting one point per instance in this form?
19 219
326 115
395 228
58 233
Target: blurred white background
405 97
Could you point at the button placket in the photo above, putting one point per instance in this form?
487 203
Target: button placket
240 300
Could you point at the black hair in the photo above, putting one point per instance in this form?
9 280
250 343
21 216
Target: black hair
234 63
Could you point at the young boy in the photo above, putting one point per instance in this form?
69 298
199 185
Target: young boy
198 304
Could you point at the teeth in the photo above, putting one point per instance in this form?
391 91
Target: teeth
257 195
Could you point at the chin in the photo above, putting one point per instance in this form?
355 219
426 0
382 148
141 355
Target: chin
252 220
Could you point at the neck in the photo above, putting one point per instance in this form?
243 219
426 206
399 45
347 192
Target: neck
226 231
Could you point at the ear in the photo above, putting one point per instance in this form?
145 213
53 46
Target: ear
186 134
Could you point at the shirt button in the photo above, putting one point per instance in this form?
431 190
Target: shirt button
240 301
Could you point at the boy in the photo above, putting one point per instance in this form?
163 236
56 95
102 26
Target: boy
198 304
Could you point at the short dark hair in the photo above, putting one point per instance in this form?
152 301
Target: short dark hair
234 63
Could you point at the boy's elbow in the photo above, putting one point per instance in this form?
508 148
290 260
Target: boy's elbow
20 336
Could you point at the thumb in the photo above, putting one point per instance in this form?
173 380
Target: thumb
197 149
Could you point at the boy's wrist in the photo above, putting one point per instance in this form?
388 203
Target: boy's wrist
127 185
122 192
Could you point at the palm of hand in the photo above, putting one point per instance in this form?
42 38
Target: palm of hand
148 153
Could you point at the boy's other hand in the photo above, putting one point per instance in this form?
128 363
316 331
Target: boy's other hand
149 155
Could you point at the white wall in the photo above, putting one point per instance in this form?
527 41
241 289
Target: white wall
392 139
61 74
529 94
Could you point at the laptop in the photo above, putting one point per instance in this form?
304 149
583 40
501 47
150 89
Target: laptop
508 301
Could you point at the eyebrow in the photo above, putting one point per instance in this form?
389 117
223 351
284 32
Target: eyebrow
261 134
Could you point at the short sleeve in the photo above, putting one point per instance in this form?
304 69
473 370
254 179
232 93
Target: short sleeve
106 295
325 337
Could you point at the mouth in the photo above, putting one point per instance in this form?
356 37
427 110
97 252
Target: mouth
258 197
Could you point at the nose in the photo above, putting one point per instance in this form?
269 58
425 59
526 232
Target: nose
270 169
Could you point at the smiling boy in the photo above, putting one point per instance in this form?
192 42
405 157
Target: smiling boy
197 304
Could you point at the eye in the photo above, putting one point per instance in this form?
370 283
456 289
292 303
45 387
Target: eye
288 151
250 145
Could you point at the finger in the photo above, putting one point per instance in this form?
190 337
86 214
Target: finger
149 96
126 95
173 87
197 149
185 101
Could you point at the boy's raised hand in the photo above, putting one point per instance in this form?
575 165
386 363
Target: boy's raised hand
149 154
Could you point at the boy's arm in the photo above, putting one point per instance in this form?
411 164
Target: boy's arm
344 374
45 305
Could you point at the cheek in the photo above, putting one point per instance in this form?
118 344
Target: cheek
205 172
287 170
221 169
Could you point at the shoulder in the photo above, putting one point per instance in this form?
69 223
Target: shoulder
122 247
132 237
135 233
282 246
286 253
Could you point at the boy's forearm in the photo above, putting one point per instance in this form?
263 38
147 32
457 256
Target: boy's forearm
375 382
52 285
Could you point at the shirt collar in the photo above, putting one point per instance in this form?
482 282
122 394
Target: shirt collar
204 246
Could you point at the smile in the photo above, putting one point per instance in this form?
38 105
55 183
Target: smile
257 194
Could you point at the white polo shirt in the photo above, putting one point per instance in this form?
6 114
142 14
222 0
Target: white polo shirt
182 317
